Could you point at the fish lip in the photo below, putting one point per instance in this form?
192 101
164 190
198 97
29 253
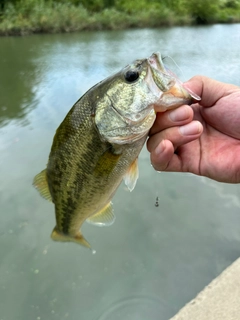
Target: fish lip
195 97
175 97
155 61
158 78
173 93
155 89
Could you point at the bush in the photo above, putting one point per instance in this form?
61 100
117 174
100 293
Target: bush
31 16
203 11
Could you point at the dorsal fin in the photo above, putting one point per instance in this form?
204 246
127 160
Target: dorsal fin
41 184
131 176
104 217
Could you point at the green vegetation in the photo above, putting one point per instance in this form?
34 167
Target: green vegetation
19 17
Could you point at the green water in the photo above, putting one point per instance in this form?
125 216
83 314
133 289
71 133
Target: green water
153 260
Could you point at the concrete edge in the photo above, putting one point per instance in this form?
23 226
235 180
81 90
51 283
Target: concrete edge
220 300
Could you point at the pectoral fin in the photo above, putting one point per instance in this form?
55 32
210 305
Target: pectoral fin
78 238
104 217
131 176
41 184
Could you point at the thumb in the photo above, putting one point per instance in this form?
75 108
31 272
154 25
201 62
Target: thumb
208 89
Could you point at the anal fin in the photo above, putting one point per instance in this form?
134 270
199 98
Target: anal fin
104 217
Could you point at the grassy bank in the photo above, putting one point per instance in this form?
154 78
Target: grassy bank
22 17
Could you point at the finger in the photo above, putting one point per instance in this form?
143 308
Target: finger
209 89
225 115
162 155
177 135
171 118
164 159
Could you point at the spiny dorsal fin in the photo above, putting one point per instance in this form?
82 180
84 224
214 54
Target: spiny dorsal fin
41 184
131 176
104 217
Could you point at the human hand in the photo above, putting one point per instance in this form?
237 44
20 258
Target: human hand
204 138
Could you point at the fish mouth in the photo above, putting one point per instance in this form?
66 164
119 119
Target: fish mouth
168 89
155 61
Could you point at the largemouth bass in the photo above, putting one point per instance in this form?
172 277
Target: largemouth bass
98 143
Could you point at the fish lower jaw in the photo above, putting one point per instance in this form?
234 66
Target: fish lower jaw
169 101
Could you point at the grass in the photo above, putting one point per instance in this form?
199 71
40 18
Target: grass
30 16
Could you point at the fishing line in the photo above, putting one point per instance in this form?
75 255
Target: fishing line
156 185
175 64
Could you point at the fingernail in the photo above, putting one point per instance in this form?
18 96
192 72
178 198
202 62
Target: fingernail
159 149
179 114
190 129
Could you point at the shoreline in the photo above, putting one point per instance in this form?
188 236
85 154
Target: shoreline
65 18
21 32
217 301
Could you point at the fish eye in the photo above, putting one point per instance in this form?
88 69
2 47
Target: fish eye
131 75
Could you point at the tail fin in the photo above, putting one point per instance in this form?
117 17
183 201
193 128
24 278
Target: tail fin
78 238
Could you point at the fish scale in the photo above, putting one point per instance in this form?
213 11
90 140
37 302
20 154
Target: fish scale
98 143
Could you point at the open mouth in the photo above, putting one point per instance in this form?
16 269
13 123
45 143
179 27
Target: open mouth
168 89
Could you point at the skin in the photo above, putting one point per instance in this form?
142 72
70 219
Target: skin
203 138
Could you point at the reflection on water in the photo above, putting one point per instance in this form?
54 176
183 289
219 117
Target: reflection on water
18 77
136 308
166 253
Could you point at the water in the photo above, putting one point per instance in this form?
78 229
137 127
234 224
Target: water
153 259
